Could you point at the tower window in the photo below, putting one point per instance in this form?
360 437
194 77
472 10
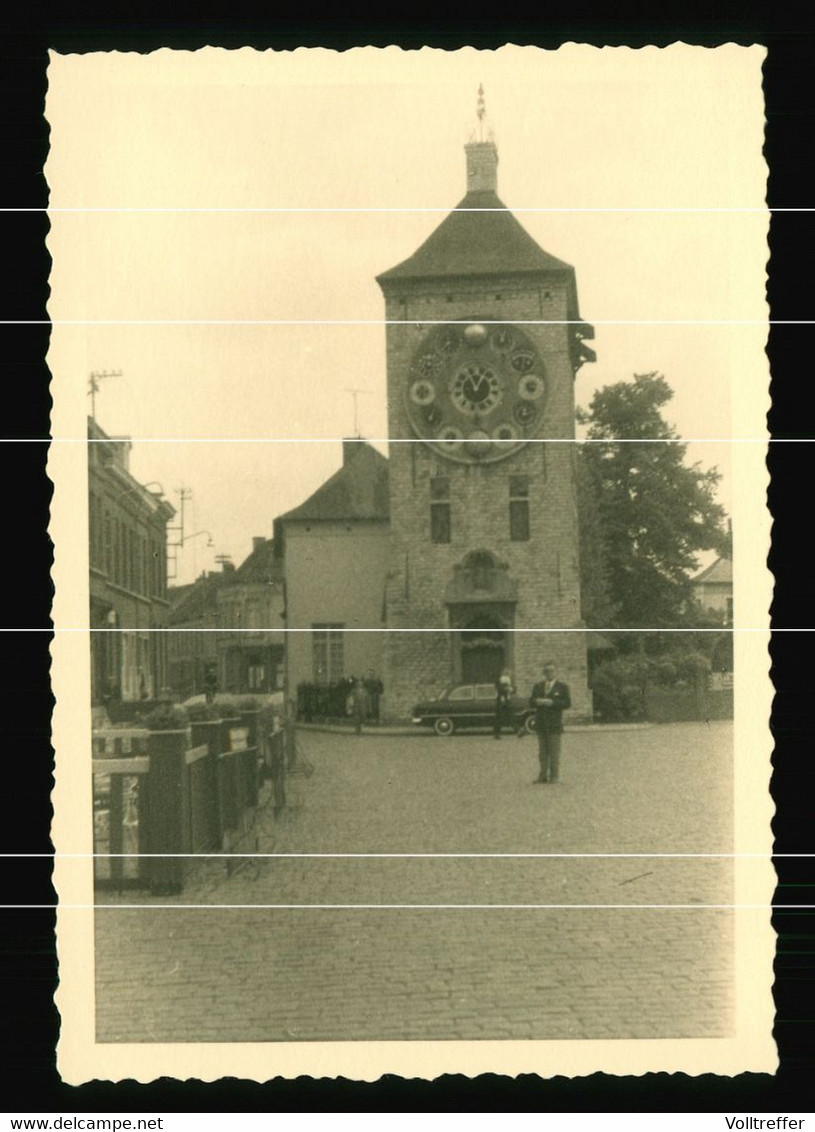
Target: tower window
439 509
519 508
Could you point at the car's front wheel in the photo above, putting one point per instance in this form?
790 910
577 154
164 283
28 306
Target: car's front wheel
444 725
529 723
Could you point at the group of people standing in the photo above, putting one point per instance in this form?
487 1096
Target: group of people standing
550 697
363 699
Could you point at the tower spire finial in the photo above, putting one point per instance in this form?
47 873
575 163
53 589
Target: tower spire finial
481 111
482 155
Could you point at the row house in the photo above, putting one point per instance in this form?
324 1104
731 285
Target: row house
192 653
128 575
228 624
251 608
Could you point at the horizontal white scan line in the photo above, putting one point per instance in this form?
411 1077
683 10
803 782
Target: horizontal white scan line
765 209
420 907
410 856
437 629
400 440
404 321
235 440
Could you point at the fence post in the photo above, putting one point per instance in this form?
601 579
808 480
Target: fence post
277 766
251 720
168 811
209 731
227 780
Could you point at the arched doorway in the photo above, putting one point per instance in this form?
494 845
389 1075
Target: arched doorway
483 652
480 599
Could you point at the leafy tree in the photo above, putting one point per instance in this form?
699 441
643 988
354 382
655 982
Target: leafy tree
596 606
646 512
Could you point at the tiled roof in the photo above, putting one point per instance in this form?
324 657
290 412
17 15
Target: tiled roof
477 243
191 601
359 490
719 572
261 566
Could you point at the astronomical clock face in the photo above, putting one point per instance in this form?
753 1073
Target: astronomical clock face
475 392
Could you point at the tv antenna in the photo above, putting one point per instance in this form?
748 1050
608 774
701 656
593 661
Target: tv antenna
356 394
93 386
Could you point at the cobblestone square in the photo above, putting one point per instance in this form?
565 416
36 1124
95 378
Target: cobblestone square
469 960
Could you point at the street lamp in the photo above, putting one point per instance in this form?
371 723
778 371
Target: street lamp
187 538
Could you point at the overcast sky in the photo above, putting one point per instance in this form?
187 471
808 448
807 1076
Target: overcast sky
579 129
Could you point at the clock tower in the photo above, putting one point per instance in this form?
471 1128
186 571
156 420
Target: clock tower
483 343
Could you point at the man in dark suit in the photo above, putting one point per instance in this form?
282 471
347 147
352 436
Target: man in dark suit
550 698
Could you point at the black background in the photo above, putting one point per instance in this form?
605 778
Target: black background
29 1023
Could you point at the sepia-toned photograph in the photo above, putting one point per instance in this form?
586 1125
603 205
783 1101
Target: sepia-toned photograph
411 598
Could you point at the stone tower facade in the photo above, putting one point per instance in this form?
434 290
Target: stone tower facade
483 343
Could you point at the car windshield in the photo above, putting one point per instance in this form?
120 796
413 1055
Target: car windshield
485 692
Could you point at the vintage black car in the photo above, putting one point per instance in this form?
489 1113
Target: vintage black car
469 705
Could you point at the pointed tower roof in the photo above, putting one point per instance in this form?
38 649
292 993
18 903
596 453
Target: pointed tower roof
477 242
480 236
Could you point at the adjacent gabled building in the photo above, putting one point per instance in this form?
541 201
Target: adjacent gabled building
713 590
335 548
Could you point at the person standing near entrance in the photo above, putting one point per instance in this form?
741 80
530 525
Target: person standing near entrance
505 690
359 704
210 683
550 698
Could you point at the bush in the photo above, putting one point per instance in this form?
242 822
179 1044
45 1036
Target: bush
691 665
664 672
227 708
166 717
202 713
620 685
619 689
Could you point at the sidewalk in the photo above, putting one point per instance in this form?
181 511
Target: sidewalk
336 728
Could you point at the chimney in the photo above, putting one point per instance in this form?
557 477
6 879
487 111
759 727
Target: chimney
120 448
482 167
257 542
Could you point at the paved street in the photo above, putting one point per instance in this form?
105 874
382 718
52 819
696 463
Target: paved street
273 974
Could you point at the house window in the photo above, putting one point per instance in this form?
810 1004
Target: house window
108 546
93 526
327 653
117 558
440 509
519 508
254 614
145 567
133 576
256 677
